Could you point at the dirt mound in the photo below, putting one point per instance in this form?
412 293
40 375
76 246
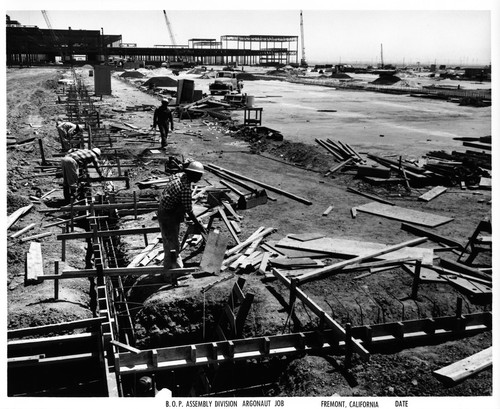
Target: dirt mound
132 74
277 72
246 76
341 76
160 82
386 80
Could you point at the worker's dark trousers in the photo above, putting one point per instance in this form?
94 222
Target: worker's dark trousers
163 134
170 221
70 177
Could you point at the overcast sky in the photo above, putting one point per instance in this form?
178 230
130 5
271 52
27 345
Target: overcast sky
444 35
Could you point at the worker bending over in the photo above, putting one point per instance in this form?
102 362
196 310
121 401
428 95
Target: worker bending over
67 131
71 164
175 202
161 118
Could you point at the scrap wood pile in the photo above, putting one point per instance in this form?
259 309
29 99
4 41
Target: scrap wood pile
306 256
470 168
203 107
257 133
342 152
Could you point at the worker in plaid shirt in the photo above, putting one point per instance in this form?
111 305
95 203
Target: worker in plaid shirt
70 167
175 202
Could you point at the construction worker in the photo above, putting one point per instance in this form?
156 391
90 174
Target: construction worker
67 131
71 164
161 118
175 202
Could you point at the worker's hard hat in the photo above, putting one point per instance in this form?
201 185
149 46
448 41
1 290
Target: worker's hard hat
97 151
165 100
195 167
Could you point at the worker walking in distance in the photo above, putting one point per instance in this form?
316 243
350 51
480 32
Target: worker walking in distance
175 202
71 164
161 118
67 132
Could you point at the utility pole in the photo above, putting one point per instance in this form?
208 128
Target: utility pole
382 56
303 62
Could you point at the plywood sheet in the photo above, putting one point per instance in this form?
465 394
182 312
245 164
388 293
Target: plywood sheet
403 214
213 254
354 248
34 263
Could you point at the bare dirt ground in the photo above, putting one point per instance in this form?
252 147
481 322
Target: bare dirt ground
168 315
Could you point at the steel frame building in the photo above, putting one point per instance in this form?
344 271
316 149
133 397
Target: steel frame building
30 45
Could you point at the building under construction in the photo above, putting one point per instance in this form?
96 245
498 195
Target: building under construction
31 45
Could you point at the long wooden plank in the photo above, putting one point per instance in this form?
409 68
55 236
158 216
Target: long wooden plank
353 248
373 197
466 367
403 214
34 263
462 268
51 328
433 193
328 321
117 271
306 236
11 219
249 241
24 230
478 145
431 235
264 185
108 233
328 270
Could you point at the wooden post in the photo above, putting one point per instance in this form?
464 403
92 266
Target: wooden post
135 205
63 244
42 152
56 281
416 280
348 346
145 236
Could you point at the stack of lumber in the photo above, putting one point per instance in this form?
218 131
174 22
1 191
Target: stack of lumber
245 254
340 150
417 175
206 106
458 167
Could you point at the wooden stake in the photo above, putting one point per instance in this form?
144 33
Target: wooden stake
416 280
56 281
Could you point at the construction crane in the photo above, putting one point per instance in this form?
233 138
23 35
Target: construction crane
303 62
169 27
55 39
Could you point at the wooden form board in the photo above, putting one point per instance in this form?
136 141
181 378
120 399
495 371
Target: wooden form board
34 263
214 252
306 236
344 247
291 253
466 367
431 194
403 214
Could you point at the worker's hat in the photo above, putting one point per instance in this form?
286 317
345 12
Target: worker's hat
97 151
195 167
165 100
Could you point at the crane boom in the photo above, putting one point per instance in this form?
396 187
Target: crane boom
303 62
169 27
53 34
